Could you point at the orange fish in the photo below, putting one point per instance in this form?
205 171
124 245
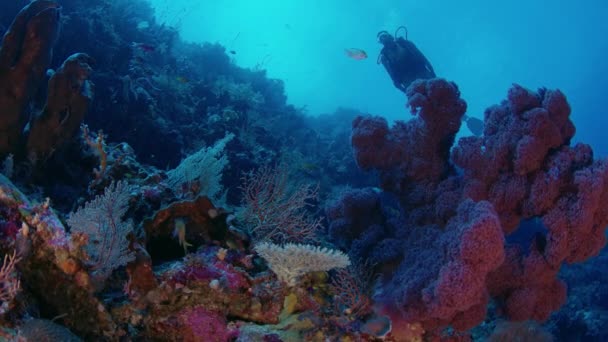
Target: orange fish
357 54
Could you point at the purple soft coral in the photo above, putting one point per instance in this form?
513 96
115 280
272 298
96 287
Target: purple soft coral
459 206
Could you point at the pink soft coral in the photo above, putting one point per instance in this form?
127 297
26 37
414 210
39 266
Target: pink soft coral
200 324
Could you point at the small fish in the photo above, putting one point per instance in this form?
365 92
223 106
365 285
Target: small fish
142 25
138 60
308 167
474 125
144 47
232 52
179 232
354 53
182 79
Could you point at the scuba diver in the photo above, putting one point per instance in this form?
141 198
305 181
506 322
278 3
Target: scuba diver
402 60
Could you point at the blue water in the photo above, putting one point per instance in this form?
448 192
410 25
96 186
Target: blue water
158 101
484 46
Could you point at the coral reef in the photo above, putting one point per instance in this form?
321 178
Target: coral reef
166 221
460 204
24 58
69 94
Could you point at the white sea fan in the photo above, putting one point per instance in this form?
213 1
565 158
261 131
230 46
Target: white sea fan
205 166
291 261
101 221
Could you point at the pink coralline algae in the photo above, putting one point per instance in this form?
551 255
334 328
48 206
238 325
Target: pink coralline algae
202 325
462 203
210 268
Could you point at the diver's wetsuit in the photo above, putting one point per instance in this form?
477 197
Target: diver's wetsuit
405 63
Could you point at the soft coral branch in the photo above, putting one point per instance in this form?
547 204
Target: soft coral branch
9 283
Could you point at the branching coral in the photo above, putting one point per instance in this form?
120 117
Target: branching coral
240 93
9 282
